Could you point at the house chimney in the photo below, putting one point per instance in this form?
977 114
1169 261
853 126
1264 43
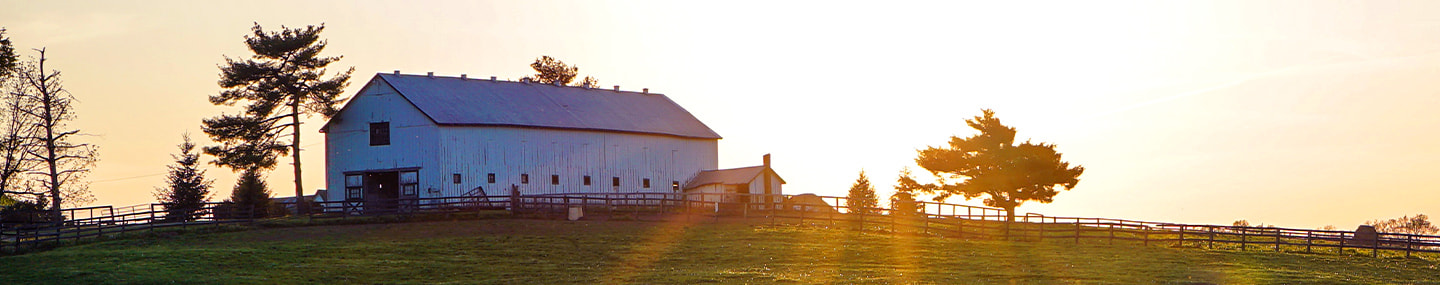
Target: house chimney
397 72
430 74
767 172
462 76
492 79
645 90
617 87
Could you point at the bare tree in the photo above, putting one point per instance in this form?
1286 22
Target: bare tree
1418 224
15 130
63 163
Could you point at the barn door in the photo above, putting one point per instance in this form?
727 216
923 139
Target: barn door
409 190
354 194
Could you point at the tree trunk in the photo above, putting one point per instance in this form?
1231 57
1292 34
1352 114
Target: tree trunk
301 206
1009 219
48 122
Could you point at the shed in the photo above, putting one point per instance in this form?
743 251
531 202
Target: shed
724 185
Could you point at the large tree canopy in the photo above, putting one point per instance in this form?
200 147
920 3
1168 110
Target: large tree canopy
992 165
549 70
285 79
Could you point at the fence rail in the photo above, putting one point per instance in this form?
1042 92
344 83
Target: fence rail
930 218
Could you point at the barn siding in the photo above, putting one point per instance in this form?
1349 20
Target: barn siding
509 152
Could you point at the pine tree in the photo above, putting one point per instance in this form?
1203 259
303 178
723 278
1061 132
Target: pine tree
186 189
903 202
283 81
251 196
991 164
549 70
862 199
7 55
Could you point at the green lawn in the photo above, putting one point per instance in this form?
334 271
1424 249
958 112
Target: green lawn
512 251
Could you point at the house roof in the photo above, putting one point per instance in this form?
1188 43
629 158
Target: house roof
741 175
457 101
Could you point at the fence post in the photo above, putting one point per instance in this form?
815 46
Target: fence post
1309 239
960 225
1341 249
1112 233
1375 247
1211 232
1408 240
1077 230
1244 238
1146 234
1277 240
1041 238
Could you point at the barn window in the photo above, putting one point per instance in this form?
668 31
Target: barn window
675 186
554 179
587 180
354 186
615 181
380 133
645 183
524 178
456 178
490 178
409 183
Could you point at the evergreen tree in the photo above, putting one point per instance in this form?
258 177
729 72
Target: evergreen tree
991 164
7 55
862 199
283 81
186 188
903 202
549 70
251 196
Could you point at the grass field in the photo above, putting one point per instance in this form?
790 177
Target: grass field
512 251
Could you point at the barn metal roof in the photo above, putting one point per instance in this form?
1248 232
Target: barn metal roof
741 175
472 101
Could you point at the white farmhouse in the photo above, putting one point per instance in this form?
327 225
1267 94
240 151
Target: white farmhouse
420 136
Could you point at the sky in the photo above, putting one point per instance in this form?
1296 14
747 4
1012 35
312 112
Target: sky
1290 113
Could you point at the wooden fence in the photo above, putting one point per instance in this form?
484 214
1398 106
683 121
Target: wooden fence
931 218
964 221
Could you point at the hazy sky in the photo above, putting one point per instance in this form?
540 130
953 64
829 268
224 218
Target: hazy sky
1299 114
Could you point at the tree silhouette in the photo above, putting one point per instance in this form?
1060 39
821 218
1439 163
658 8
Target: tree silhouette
1418 224
60 163
283 80
991 164
186 189
7 55
903 202
251 195
861 199
549 70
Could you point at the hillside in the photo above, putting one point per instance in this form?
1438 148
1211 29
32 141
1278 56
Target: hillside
510 251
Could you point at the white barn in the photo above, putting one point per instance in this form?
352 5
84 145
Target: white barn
419 136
